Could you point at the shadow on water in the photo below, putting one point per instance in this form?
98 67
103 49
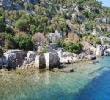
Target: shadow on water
98 89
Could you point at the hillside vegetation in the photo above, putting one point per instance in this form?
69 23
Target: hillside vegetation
80 17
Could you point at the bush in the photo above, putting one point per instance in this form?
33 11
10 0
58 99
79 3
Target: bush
2 24
9 30
71 47
2 39
92 39
18 42
9 42
74 48
24 43
59 23
107 34
39 38
22 24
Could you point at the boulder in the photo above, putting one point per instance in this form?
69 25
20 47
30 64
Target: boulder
30 56
67 57
99 50
68 70
54 37
14 58
88 48
66 60
107 52
55 70
91 57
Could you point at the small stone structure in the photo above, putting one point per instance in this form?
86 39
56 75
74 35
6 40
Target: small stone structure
47 61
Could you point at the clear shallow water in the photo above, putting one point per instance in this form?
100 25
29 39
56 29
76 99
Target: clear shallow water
88 82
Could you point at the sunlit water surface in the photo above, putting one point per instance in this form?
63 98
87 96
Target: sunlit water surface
88 82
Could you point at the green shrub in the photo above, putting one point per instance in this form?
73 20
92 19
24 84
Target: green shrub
24 43
92 39
9 42
18 42
22 24
74 48
107 34
71 47
2 24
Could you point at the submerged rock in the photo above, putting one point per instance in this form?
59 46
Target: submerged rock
68 70
55 70
95 62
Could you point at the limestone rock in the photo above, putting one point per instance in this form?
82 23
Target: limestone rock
107 52
91 57
30 56
99 50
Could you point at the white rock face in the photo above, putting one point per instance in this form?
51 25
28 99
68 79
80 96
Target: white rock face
66 60
31 56
66 57
54 37
107 52
99 50
73 16
94 32
37 61
91 57
76 9
47 60
89 47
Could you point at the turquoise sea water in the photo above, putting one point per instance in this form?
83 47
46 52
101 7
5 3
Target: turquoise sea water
88 82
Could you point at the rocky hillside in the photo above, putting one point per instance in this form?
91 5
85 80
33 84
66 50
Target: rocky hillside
27 24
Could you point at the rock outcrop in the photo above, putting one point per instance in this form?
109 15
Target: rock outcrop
14 58
107 52
99 50
67 57
30 56
91 57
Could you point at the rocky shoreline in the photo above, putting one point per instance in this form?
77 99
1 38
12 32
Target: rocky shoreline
56 59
